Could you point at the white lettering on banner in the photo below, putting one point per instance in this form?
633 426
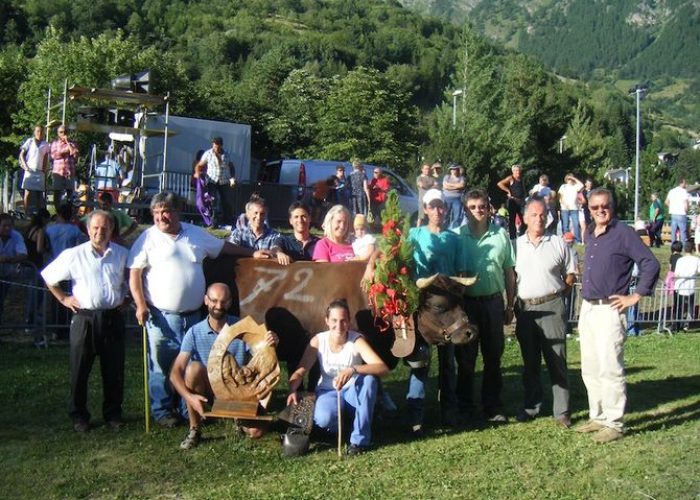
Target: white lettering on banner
276 276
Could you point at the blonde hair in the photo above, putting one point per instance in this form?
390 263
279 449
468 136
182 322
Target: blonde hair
335 210
359 221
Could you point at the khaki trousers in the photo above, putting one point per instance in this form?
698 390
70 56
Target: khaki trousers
602 339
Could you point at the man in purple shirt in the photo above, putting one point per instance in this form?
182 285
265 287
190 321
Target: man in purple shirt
612 249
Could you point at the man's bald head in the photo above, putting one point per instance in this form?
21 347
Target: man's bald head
218 300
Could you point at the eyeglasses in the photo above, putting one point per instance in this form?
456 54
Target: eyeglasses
476 207
594 208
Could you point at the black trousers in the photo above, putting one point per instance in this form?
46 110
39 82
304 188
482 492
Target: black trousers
223 193
97 333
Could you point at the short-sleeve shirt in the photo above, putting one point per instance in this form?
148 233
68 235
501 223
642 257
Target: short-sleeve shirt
453 179
434 253
246 238
173 273
541 269
677 201
218 171
200 338
568 196
35 154
62 236
488 256
652 211
357 181
13 247
296 249
687 270
99 281
333 252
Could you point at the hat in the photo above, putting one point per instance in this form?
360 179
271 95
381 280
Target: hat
359 221
432 194
568 237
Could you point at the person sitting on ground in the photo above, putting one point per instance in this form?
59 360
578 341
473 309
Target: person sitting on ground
364 243
349 370
301 243
334 246
188 374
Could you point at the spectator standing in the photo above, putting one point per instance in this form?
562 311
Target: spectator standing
424 182
97 271
62 233
221 177
34 160
583 199
167 284
656 221
13 251
359 189
64 154
686 272
378 192
123 224
486 251
545 272
37 246
514 187
436 172
677 201
342 189
611 252
569 205
452 189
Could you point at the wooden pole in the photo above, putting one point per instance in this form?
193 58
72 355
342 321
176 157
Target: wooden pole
340 425
146 399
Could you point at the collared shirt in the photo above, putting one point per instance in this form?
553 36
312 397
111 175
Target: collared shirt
246 238
63 161
200 338
541 269
488 256
296 249
99 281
173 273
434 253
13 247
218 171
35 154
609 260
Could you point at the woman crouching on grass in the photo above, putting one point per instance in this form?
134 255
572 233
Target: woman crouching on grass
349 369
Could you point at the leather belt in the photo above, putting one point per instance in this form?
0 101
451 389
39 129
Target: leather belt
90 312
541 300
599 302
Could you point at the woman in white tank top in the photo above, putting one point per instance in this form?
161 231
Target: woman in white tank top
349 369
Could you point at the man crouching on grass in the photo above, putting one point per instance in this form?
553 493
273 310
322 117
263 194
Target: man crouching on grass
189 372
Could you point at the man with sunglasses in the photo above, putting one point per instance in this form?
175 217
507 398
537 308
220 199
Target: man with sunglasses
486 251
64 154
612 249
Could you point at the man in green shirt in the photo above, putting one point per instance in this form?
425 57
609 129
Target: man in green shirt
485 250
656 221
123 224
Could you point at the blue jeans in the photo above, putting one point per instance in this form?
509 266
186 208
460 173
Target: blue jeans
570 217
359 397
679 222
165 333
455 211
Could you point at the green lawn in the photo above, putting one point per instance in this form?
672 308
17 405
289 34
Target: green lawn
40 456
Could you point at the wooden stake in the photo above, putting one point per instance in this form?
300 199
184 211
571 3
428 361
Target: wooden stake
340 425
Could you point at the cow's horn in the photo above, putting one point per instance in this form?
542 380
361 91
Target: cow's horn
426 282
465 281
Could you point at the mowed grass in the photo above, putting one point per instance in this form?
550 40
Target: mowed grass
41 457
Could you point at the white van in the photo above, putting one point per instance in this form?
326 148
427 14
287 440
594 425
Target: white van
282 182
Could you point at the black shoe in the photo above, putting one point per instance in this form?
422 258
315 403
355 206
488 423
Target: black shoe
168 422
356 449
524 416
81 426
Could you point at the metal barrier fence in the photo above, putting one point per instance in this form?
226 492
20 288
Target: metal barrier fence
26 305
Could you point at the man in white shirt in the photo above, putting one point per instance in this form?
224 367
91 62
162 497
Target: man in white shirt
167 283
677 203
569 205
97 270
34 160
686 273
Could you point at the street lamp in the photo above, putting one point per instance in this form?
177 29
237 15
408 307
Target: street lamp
455 95
639 91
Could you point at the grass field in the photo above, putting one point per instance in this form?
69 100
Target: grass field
41 457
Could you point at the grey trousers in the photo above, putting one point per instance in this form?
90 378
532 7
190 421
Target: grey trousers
541 332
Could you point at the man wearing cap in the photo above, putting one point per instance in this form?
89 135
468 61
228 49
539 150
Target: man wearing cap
612 249
221 175
486 251
545 273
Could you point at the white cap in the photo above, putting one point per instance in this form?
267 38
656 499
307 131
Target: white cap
432 194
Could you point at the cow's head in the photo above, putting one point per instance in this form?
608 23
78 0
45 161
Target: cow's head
441 316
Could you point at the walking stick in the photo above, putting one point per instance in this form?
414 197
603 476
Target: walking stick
146 400
340 426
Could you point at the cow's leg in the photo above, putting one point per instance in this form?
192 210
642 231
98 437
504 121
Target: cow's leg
447 378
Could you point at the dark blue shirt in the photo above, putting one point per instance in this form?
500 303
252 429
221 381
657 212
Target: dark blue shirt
609 259
296 249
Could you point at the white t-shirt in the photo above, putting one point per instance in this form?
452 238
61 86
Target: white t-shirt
568 196
332 363
677 199
35 154
99 281
686 267
173 273
361 246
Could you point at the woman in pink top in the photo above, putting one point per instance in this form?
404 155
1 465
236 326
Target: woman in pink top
334 246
